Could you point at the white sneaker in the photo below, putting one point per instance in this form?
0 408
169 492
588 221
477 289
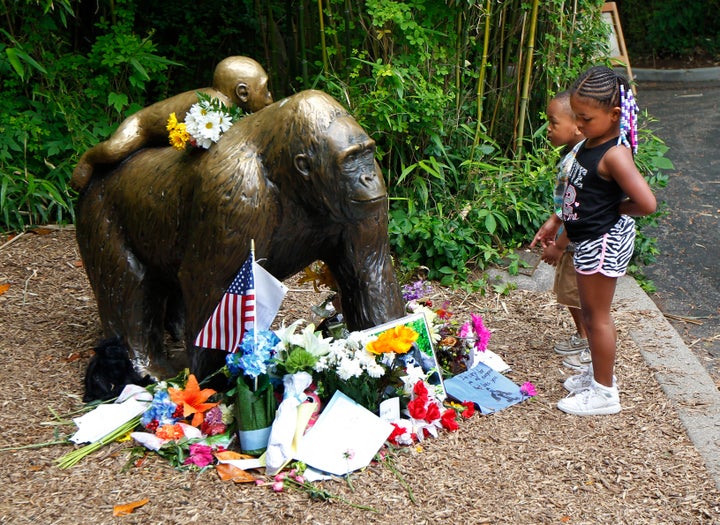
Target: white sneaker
580 381
583 380
578 362
597 400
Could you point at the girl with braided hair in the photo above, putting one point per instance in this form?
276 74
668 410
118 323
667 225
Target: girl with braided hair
604 190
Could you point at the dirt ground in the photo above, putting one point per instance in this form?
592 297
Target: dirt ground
527 464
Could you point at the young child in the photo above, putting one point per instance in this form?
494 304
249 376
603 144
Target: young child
562 131
237 81
604 189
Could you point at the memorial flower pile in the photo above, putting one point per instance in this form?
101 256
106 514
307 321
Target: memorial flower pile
359 365
395 371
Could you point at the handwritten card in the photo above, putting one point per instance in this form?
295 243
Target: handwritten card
484 386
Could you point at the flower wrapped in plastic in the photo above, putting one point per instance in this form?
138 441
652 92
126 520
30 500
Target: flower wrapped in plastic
181 418
254 396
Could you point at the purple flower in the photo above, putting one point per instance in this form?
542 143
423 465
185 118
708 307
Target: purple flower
416 290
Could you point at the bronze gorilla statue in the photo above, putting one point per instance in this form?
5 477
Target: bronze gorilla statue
163 233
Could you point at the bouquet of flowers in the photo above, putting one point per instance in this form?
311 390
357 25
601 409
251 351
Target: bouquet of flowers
253 392
457 345
181 425
204 124
360 366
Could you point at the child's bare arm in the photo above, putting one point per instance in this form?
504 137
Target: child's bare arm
618 164
547 232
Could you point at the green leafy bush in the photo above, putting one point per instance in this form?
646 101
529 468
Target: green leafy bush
456 108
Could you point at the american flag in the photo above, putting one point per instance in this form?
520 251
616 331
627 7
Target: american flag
235 314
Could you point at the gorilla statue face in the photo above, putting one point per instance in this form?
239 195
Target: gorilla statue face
353 154
344 172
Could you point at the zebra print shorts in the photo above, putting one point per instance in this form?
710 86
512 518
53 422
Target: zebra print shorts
609 254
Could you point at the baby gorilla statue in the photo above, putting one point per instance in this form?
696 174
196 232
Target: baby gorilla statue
237 81
109 370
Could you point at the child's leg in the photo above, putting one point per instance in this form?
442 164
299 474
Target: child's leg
577 316
596 295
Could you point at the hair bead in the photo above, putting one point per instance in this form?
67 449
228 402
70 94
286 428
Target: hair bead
628 119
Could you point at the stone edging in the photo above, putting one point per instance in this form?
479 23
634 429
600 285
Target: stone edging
700 74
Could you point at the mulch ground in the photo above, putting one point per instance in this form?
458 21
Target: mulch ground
527 464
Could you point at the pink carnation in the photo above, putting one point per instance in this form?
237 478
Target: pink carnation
200 455
483 334
528 389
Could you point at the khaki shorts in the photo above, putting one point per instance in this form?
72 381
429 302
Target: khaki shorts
565 285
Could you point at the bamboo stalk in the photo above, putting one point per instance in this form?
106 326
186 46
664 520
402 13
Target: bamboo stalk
480 94
458 60
526 79
322 37
303 52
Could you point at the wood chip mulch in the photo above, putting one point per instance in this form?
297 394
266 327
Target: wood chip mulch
527 464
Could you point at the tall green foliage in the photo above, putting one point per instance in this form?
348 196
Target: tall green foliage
667 28
56 102
453 92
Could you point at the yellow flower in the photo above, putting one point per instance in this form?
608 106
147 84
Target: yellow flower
398 340
179 137
172 122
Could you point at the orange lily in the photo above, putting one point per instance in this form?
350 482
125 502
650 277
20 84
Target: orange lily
192 399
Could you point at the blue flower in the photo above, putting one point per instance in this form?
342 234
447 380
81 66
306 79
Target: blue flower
254 353
161 409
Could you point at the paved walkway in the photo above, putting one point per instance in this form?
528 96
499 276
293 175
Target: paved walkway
686 106
688 237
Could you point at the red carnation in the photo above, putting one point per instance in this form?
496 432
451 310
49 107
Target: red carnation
417 408
448 420
433 413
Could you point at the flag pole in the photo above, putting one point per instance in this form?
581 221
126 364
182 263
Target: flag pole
252 269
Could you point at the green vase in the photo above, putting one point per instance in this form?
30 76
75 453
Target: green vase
255 411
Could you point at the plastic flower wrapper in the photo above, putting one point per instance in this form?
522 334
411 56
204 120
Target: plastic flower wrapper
167 433
284 428
253 393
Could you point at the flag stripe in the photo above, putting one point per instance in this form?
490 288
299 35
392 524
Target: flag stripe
234 314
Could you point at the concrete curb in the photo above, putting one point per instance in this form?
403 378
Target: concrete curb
700 74
681 376
677 370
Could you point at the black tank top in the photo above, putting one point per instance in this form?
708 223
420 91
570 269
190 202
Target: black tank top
590 204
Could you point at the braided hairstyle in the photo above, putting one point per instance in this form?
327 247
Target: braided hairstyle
610 90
